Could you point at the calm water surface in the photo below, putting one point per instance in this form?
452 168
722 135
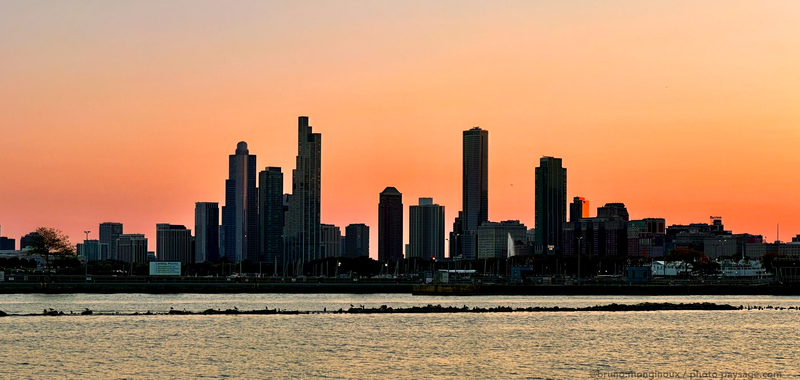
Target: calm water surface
549 345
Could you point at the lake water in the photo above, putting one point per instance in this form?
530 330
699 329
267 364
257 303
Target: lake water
547 345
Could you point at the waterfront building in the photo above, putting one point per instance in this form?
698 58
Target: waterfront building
93 250
132 248
497 239
605 235
206 229
578 209
271 214
174 243
646 237
331 241
551 205
303 234
109 233
426 230
239 232
390 225
356 240
27 240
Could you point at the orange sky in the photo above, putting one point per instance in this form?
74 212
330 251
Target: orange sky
126 111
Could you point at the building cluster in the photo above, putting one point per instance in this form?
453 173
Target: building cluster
260 223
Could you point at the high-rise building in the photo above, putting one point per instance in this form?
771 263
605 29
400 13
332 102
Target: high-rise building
93 250
174 243
357 240
501 240
109 233
578 209
331 241
206 230
303 234
475 189
390 225
551 205
239 234
426 230
271 214
132 248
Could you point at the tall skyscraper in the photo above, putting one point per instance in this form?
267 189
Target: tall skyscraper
239 233
578 209
390 225
426 230
109 233
206 230
132 248
174 243
475 189
303 234
270 214
551 205
357 240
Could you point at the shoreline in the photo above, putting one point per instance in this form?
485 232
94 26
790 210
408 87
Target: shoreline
397 288
428 309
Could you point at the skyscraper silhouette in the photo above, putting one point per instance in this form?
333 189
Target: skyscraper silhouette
303 234
270 214
578 209
109 234
426 230
206 230
239 235
475 189
551 205
357 237
390 225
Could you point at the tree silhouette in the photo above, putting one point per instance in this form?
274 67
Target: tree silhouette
50 244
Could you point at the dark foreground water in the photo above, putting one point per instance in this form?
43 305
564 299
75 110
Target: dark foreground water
548 345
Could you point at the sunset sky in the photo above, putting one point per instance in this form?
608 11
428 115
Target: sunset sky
126 111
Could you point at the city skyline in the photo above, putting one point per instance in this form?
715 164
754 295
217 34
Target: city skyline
678 111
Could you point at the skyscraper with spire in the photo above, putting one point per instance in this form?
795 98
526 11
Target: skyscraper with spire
303 234
239 231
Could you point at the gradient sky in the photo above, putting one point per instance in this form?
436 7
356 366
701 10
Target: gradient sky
127 111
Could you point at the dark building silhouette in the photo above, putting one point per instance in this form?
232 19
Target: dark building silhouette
206 230
271 214
7 244
132 248
604 235
454 244
28 240
551 205
239 233
357 240
109 233
578 209
303 231
615 211
475 189
174 243
390 225
426 230
331 244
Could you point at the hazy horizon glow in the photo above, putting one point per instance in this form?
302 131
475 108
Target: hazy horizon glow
127 111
